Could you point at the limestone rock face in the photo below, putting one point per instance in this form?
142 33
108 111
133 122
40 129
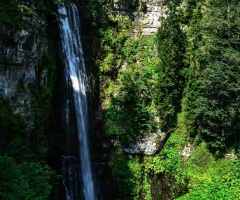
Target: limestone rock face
231 156
146 14
147 22
187 151
21 50
148 145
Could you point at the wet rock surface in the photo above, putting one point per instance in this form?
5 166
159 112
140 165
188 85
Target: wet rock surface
21 52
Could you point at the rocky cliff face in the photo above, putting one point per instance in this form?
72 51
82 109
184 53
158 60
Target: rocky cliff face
21 51
146 14
148 145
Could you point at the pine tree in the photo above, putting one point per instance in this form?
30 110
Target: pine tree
218 111
171 50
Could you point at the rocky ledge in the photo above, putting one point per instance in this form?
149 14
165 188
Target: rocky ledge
148 145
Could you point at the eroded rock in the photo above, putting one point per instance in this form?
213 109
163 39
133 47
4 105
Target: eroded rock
148 145
231 156
187 151
146 14
21 51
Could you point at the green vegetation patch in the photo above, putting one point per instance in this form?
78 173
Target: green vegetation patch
10 13
127 174
27 180
130 112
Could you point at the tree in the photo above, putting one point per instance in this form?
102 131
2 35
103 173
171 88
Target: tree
218 111
23 181
171 50
129 115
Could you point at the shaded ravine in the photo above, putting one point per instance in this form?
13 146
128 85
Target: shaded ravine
75 75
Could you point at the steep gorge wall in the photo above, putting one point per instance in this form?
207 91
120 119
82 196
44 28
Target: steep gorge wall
120 168
140 20
27 77
146 15
128 169
21 51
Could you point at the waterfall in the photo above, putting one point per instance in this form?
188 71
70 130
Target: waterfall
73 59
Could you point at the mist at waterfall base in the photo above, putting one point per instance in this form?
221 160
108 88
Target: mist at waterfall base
77 179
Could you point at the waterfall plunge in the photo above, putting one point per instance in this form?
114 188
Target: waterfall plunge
73 60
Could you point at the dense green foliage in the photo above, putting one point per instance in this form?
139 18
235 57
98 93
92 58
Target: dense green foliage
170 84
9 13
20 171
12 12
192 86
130 110
28 180
127 174
218 101
12 129
211 88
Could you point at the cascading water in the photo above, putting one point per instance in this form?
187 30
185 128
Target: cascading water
73 59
